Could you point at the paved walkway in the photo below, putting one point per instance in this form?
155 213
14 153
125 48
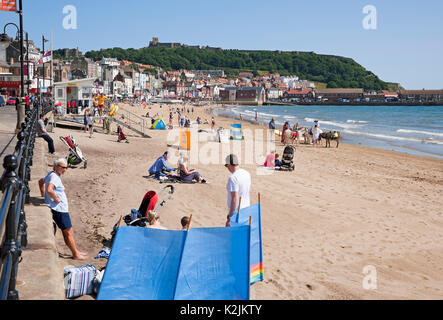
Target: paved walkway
8 121
40 276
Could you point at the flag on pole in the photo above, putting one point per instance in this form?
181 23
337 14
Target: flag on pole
8 5
46 57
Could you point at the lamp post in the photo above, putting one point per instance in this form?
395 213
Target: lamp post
28 79
5 38
21 105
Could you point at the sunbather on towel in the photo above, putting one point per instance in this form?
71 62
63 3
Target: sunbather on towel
159 166
188 175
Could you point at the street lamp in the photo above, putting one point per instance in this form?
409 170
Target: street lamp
43 59
5 37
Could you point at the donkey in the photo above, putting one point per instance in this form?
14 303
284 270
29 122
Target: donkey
331 135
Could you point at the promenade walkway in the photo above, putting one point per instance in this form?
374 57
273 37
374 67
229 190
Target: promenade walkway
40 277
8 120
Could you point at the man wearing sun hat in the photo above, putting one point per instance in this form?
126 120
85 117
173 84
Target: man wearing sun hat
238 186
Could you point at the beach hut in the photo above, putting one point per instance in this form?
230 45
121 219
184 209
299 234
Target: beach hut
159 124
193 264
236 132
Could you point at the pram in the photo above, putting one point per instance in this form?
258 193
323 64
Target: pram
75 155
138 218
287 161
121 135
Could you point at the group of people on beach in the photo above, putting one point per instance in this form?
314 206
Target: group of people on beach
294 132
53 190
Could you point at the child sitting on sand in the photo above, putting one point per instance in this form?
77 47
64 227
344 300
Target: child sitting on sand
121 135
154 221
184 222
277 161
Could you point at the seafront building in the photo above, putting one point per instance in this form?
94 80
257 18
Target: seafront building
135 80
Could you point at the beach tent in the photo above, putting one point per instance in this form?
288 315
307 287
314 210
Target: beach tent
256 259
199 264
236 132
159 124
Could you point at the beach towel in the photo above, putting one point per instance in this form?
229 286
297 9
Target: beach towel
256 258
202 264
104 253
78 280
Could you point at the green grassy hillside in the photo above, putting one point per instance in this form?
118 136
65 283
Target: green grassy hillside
336 72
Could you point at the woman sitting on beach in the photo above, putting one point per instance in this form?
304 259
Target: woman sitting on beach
188 175
154 221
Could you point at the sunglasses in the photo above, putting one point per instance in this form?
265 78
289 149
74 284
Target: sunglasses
62 167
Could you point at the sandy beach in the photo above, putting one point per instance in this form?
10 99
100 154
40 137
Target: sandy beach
340 211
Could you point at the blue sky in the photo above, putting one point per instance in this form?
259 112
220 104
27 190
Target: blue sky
406 46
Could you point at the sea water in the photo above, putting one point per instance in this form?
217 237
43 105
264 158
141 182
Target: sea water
410 129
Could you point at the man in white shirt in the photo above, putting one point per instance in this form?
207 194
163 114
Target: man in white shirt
52 188
238 186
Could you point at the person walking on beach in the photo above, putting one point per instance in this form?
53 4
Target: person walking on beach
316 135
85 120
52 189
212 123
283 132
238 187
42 133
90 123
272 124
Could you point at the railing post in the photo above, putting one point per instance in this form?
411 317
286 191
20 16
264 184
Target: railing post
12 249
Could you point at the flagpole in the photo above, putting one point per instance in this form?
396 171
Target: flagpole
21 106
52 66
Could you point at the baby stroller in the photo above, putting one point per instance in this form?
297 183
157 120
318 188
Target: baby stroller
121 135
287 161
138 218
75 155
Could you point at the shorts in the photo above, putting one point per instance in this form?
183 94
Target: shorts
62 219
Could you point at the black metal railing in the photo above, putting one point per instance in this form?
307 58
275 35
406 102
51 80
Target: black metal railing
16 193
